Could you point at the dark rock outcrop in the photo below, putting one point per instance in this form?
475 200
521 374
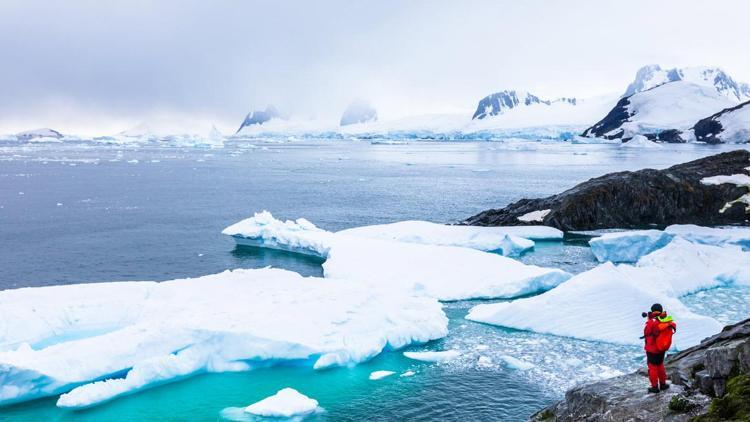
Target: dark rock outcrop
607 127
639 199
258 117
502 101
709 130
699 376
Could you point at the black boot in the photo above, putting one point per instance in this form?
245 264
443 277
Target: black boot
653 389
664 386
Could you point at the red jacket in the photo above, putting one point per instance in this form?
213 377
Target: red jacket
658 334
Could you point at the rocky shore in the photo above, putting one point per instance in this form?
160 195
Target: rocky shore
710 382
641 199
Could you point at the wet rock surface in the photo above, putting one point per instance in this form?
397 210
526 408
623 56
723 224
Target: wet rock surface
699 375
641 199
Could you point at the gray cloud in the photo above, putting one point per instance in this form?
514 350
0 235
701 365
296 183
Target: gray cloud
97 66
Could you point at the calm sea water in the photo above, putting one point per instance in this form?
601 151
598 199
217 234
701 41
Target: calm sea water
78 214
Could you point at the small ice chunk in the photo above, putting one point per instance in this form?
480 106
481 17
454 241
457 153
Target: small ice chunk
286 403
376 375
408 373
484 361
533 216
442 356
515 363
640 141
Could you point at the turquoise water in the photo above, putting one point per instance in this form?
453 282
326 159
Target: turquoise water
160 219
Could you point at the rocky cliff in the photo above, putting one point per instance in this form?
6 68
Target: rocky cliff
640 199
710 381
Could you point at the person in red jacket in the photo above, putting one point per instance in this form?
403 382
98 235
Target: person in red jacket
658 335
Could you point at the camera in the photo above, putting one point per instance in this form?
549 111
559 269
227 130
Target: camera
644 314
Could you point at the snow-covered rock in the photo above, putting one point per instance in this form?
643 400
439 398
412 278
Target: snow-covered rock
474 237
661 112
286 403
259 117
628 246
640 141
442 356
63 339
443 272
359 111
729 126
602 304
740 180
501 102
31 135
653 75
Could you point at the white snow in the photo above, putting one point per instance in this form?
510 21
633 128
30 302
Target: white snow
722 236
735 179
735 125
628 246
534 216
674 105
376 375
442 272
409 373
442 356
475 237
286 403
535 121
639 141
53 339
602 304
515 363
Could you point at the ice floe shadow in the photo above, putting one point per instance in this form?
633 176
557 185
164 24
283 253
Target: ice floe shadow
258 257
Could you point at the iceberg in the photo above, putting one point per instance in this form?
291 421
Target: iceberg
739 236
475 237
628 246
442 356
286 403
95 342
442 272
602 304
515 363
619 293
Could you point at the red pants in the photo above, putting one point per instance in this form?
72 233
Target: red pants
657 374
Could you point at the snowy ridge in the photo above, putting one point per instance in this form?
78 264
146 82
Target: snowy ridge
155 332
426 269
653 75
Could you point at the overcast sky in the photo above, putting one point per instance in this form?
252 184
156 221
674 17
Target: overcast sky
103 66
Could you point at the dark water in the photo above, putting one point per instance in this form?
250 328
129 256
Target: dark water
76 213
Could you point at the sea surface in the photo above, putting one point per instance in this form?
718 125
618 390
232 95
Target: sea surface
82 213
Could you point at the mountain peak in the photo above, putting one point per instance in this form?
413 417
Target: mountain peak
500 102
653 75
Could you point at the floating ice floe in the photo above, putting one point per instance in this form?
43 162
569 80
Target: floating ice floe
605 303
602 304
640 141
442 356
628 246
95 342
376 375
442 272
286 403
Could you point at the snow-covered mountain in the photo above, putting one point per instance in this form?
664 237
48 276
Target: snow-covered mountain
731 125
258 117
660 112
38 133
501 102
359 111
653 75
